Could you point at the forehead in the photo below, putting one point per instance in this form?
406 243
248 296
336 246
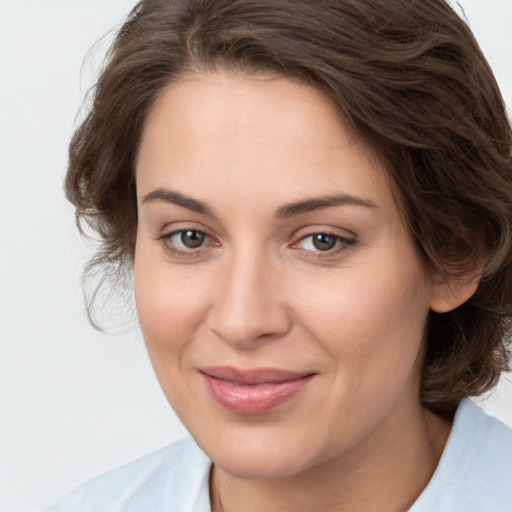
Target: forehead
209 133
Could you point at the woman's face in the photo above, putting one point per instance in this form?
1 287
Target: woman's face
281 298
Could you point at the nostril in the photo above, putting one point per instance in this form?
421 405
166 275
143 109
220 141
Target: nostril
247 307
250 326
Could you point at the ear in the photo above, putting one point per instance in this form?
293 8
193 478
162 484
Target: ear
448 294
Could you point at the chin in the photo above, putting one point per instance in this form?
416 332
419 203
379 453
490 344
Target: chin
259 466
260 456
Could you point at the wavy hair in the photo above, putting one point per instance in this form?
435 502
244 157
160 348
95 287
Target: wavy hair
409 77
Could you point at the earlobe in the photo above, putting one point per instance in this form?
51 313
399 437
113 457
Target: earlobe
449 294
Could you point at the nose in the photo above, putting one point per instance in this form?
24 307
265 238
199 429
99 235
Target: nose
249 306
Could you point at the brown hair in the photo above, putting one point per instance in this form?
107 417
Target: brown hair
413 82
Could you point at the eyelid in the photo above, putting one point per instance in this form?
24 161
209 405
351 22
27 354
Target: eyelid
333 235
184 252
171 234
312 229
304 232
172 228
344 241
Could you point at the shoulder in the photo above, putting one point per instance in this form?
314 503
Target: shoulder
475 470
174 478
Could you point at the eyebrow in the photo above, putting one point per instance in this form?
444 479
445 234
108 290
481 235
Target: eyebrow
169 196
288 210
317 203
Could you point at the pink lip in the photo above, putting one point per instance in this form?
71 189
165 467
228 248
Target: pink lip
252 392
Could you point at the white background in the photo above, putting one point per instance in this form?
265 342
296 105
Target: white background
74 402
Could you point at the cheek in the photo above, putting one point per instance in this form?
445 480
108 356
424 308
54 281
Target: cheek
170 311
170 306
371 329
371 323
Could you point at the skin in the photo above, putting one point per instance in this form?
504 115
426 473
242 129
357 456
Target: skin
257 293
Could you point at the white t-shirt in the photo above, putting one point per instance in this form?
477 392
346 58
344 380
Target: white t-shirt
473 475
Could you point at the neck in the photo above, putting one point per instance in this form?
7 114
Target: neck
386 472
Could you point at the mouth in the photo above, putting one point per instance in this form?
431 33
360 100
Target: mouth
253 392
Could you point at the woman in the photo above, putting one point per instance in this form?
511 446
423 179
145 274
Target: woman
315 199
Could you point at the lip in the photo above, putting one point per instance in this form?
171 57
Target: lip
255 391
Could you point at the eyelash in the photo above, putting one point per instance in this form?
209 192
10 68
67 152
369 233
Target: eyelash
341 244
166 240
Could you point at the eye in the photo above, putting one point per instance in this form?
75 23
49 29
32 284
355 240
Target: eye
323 242
191 239
186 242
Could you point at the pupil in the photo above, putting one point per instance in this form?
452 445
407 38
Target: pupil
324 242
192 239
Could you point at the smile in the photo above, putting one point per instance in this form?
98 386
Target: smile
253 392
